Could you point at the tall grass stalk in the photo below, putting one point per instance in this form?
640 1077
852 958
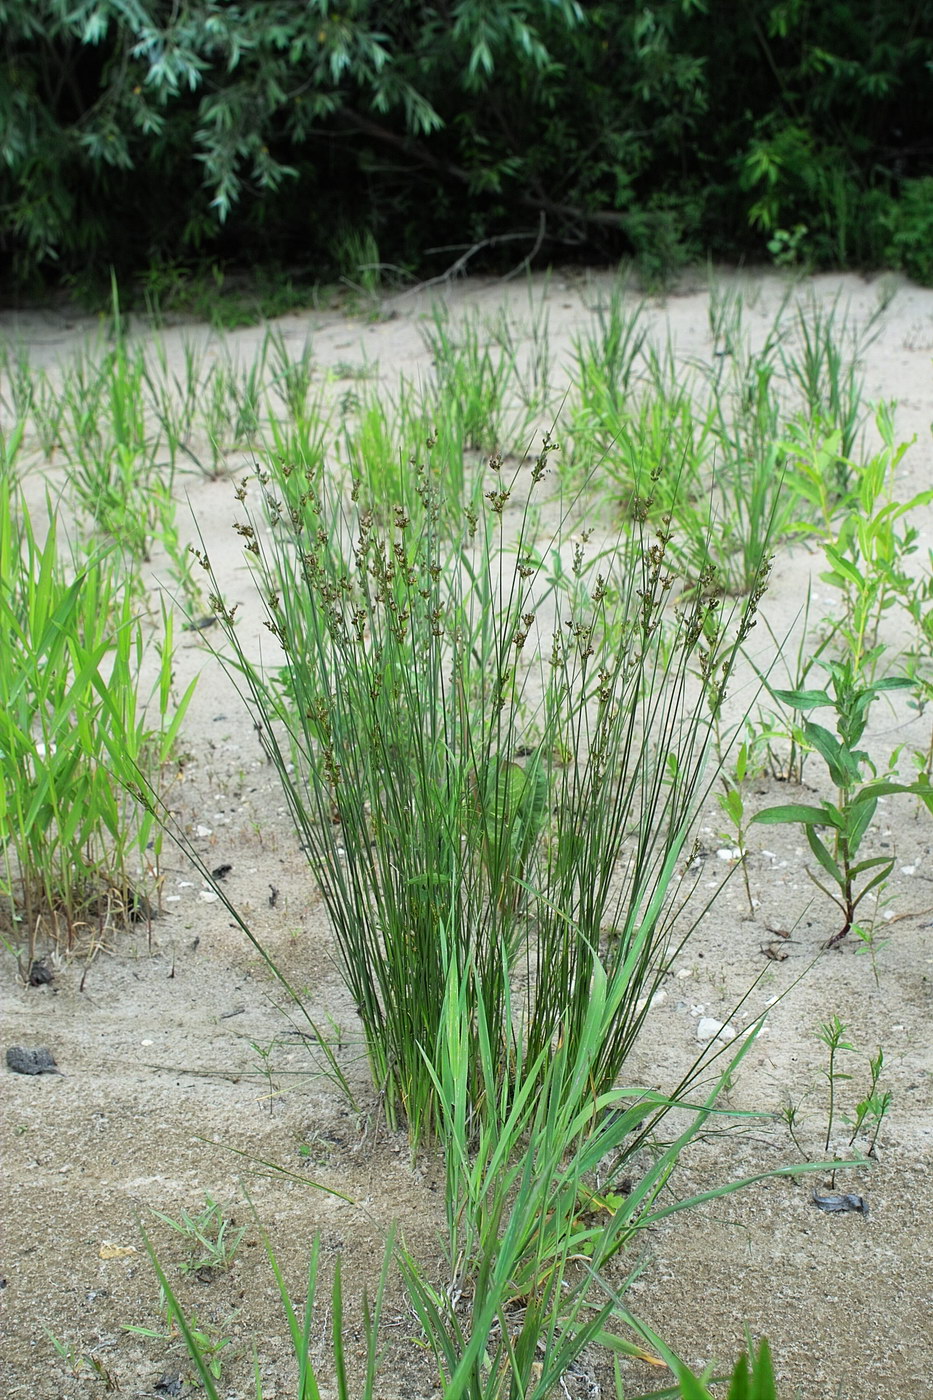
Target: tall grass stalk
176 399
826 369
605 358
530 1237
111 450
476 377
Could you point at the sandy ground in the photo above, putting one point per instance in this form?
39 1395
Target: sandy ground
182 1070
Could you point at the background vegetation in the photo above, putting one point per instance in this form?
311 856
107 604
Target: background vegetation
381 138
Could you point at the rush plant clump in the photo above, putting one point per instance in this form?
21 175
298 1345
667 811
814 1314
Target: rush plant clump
487 767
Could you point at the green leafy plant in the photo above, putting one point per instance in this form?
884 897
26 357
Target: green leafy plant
864 1117
911 226
825 366
111 455
776 740
521 1217
918 657
701 444
371 436
786 245
71 716
175 397
357 255
473 374
747 462
211 1234
606 359
850 816
207 1346
865 550
832 1034
10 444
264 1054
611 143
291 374
870 1110
18 393
526 341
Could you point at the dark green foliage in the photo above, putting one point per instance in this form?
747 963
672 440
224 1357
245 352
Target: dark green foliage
140 132
911 246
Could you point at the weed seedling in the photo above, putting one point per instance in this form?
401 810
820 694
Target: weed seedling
211 1236
832 1034
790 1114
850 816
264 1054
206 1345
870 943
874 1106
869 1111
204 1348
81 1363
733 807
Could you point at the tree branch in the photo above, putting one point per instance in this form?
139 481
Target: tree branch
602 218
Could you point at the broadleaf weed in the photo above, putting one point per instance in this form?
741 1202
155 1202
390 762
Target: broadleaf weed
849 818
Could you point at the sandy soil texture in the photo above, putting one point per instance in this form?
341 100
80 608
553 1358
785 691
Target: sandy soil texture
183 1069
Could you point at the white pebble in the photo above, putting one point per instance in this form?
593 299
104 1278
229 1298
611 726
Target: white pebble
710 1029
658 999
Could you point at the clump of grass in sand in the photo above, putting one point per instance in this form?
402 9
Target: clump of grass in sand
71 653
487 766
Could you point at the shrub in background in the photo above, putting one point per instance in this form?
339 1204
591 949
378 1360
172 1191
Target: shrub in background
911 221
541 125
